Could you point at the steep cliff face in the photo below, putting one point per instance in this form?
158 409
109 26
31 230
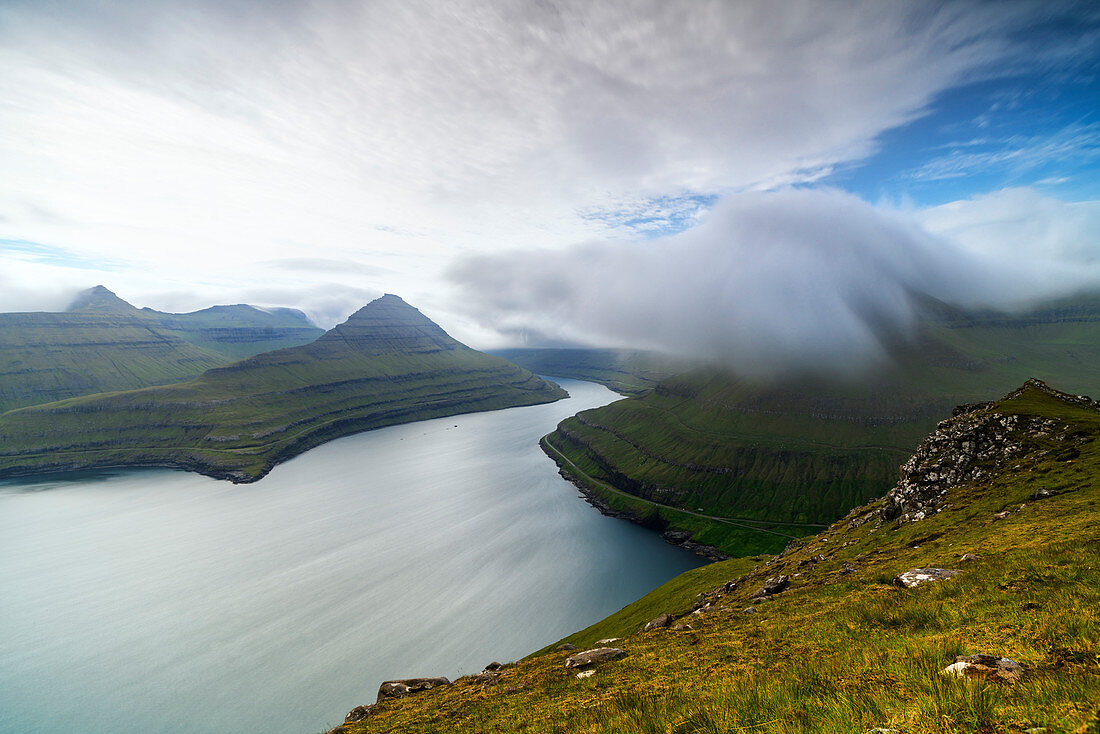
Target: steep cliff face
386 364
978 440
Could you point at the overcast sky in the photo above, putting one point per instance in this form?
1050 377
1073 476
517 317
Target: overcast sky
600 172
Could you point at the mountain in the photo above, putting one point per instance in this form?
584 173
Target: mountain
788 455
627 372
386 364
103 344
978 611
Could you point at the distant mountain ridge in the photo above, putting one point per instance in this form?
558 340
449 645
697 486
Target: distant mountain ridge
104 344
387 364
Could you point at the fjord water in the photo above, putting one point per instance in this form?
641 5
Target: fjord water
163 601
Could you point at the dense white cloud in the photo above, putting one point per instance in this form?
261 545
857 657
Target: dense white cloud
794 278
187 142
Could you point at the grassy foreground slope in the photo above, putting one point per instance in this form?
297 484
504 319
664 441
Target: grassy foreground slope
843 649
104 344
386 364
807 450
625 371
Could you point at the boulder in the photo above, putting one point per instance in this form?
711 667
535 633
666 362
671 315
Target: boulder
663 620
985 666
969 557
409 686
586 673
774 585
749 610
493 666
1043 493
358 714
608 640
917 576
564 647
680 627
597 655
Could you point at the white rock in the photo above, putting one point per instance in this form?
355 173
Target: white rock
586 673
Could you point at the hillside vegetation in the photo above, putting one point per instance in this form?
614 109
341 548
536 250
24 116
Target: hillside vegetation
386 364
805 450
103 344
824 638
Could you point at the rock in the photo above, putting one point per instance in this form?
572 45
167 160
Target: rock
1001 515
663 620
608 640
917 576
984 666
409 686
774 585
680 627
749 610
969 557
1043 493
358 714
586 673
493 666
597 655
564 646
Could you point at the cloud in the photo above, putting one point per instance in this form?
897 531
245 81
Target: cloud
166 133
794 279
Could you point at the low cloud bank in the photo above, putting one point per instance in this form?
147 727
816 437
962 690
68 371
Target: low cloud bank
794 279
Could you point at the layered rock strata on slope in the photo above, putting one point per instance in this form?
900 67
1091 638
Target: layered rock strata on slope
386 364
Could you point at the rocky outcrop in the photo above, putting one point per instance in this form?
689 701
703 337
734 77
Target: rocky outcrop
917 576
659 622
597 655
970 445
989 667
409 686
772 586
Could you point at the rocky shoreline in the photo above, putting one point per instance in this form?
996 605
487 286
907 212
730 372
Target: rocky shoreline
675 537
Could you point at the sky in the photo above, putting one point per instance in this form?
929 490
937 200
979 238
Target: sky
752 181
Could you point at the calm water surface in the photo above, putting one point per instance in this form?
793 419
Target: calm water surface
162 601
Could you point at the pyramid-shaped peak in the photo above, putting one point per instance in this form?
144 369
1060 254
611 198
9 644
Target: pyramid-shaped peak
388 325
99 298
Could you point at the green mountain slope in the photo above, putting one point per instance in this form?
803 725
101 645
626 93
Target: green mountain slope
237 331
104 344
803 451
839 646
386 364
625 371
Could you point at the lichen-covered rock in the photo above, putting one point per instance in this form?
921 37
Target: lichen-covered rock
773 585
985 666
409 686
917 576
597 655
565 646
358 714
663 620
961 449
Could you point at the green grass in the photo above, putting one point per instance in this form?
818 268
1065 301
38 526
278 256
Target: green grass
844 650
387 364
107 345
805 450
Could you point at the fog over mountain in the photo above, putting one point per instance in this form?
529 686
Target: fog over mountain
795 278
